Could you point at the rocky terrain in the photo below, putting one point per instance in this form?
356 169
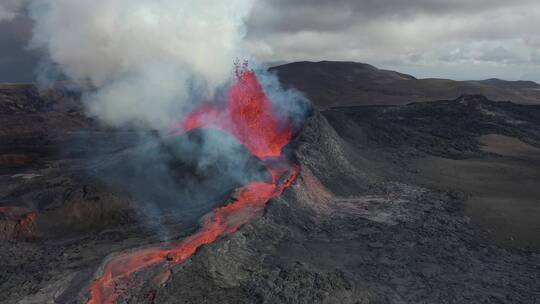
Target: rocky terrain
331 84
433 202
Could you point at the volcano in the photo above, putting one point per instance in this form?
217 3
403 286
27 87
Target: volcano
248 116
424 202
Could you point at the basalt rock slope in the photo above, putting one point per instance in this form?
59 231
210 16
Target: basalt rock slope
360 226
397 204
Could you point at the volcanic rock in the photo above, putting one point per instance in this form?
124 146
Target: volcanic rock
381 240
396 204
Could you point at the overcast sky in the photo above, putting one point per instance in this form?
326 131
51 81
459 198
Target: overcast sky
460 39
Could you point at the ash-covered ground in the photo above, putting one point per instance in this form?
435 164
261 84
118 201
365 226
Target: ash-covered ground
434 202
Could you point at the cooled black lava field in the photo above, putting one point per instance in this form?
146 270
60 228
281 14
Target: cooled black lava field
434 202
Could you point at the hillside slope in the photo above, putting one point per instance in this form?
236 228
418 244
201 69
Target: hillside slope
330 84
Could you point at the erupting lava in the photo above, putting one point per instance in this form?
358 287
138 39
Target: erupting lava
248 116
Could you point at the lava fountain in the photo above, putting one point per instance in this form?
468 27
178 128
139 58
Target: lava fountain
249 117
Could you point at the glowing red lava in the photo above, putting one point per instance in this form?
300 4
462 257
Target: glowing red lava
249 117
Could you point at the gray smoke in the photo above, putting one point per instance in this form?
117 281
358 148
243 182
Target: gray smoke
10 8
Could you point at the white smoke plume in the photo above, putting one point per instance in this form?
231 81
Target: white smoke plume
10 8
147 60
150 62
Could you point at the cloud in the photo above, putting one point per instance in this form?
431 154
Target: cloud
9 9
412 36
322 15
407 35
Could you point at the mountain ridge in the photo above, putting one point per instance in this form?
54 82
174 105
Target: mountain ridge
345 83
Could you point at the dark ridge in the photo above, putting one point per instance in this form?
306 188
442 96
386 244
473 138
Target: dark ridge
332 84
518 84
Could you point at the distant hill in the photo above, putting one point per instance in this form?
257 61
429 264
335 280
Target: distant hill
330 83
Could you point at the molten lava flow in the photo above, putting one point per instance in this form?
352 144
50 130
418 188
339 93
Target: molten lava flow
249 117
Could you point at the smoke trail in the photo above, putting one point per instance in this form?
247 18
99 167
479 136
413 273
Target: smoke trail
148 60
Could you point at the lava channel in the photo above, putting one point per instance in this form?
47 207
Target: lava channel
248 116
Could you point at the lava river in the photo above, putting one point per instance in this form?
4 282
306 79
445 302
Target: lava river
249 117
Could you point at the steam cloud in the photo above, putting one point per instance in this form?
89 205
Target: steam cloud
10 8
149 60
